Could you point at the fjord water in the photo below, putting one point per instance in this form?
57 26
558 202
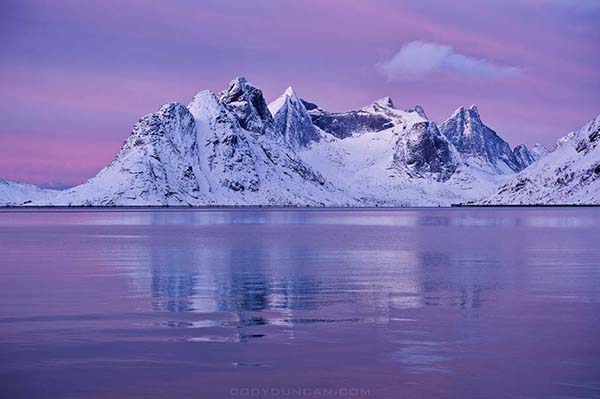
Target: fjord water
228 303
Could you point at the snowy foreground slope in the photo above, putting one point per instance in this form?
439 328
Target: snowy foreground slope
231 148
568 175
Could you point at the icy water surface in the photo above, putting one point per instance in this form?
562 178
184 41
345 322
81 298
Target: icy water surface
418 303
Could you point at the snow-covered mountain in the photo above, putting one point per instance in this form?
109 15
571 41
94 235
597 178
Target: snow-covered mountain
218 150
568 175
232 148
378 153
386 156
478 143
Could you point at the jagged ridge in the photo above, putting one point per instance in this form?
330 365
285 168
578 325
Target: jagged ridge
234 149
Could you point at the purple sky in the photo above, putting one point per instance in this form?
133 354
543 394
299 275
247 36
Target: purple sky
76 75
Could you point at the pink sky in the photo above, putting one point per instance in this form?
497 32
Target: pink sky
76 76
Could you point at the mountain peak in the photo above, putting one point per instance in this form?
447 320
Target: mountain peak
474 140
419 110
236 89
290 92
248 104
385 102
276 105
292 119
240 80
463 112
473 113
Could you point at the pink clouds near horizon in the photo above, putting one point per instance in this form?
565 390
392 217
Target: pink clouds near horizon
76 76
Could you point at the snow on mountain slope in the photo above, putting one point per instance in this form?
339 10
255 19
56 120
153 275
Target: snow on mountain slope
478 143
409 163
243 167
539 151
13 193
568 175
421 150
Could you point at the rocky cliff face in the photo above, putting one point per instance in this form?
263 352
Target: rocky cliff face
526 156
423 150
292 120
346 124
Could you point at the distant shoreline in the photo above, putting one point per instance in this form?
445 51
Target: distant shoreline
275 207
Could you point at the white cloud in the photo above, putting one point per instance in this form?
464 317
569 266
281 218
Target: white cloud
417 59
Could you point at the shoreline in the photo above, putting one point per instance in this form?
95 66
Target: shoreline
20 208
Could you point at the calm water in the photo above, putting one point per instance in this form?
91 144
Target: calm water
422 303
